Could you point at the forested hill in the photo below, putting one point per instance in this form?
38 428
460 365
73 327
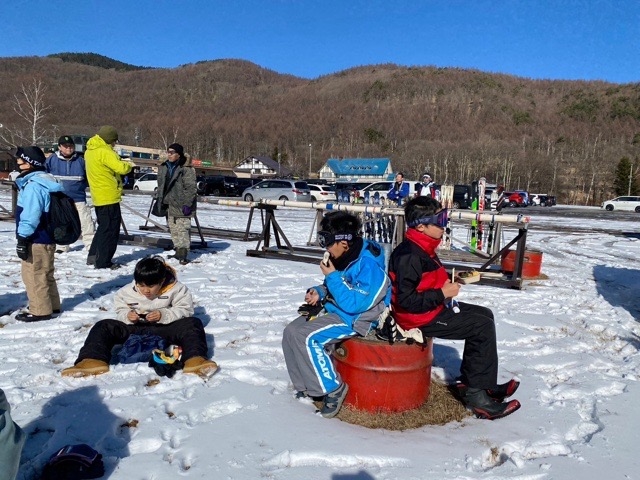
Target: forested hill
95 60
562 137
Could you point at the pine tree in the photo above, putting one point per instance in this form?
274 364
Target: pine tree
624 170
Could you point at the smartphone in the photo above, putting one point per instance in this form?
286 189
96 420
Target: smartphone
142 317
325 259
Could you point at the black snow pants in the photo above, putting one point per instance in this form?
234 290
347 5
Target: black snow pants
475 325
187 332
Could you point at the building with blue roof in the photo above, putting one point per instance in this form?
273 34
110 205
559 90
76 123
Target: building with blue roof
356 170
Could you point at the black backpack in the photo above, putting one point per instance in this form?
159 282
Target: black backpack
63 221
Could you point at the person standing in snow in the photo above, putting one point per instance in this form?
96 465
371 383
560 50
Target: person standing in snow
399 191
422 298
354 295
177 190
68 168
35 246
104 170
155 303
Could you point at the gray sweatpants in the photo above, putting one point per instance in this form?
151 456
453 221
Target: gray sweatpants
308 361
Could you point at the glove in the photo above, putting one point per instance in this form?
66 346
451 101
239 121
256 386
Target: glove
306 310
166 362
186 210
22 249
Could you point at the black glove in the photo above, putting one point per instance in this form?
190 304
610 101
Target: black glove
306 310
22 249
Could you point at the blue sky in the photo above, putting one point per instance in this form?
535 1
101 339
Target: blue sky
564 39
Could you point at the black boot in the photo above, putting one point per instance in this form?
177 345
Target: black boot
502 390
181 256
480 403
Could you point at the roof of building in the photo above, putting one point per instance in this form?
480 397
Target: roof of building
269 163
358 166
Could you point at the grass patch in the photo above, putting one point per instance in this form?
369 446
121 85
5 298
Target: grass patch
441 407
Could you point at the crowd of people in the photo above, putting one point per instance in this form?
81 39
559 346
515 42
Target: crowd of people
356 297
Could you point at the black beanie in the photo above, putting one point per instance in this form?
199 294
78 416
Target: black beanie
176 147
34 156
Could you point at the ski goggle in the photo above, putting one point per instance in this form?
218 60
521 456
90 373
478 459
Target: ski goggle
440 219
326 239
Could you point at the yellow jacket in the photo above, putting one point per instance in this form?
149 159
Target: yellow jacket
104 168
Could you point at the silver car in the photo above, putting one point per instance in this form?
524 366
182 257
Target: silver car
278 189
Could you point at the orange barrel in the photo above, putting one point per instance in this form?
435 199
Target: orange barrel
531 264
383 377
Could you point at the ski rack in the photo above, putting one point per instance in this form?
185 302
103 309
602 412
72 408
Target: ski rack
462 260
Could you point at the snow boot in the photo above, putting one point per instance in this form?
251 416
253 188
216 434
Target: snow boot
85 368
502 390
200 366
333 401
181 255
483 406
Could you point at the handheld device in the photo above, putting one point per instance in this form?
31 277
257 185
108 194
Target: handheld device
325 259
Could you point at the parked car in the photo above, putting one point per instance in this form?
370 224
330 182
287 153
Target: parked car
217 185
278 189
542 200
147 183
513 199
382 188
631 204
243 183
462 196
322 193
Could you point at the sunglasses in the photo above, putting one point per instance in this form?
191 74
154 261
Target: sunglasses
440 219
326 239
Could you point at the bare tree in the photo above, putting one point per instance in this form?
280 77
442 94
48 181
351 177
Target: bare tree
31 107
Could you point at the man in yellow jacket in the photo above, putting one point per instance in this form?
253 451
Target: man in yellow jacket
104 170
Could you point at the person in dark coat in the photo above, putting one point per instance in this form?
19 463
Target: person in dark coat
422 297
178 193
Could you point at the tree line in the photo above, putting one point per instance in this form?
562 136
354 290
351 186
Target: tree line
565 138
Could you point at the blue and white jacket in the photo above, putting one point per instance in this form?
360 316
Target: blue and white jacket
33 201
361 292
71 173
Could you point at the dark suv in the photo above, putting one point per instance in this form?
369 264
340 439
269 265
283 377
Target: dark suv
217 185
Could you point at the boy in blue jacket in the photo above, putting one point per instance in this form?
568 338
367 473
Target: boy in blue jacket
355 293
35 247
68 168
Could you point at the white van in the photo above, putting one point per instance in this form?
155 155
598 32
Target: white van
382 188
630 204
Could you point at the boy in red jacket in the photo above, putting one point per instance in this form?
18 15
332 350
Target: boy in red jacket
421 291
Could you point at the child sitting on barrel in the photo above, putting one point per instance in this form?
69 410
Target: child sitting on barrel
353 296
422 298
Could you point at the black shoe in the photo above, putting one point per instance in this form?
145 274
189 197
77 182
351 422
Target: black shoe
30 317
183 261
110 266
91 260
483 406
502 391
333 401
57 312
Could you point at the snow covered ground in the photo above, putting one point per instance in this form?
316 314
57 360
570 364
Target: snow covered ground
573 340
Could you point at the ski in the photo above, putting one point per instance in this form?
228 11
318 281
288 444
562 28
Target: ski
482 183
446 198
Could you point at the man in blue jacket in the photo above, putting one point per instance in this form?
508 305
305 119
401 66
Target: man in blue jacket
399 192
35 246
355 294
68 168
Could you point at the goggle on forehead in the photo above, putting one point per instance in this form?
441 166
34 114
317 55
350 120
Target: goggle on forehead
440 219
326 239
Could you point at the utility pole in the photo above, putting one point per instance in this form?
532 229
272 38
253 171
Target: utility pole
630 177
309 160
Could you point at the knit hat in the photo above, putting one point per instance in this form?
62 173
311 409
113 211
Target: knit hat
34 156
66 140
176 147
108 134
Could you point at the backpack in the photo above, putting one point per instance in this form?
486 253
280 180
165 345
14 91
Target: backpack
63 221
